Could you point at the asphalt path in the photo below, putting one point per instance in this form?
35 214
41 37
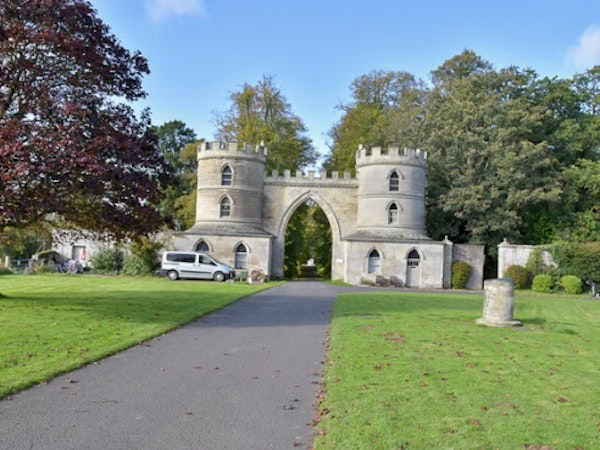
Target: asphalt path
245 377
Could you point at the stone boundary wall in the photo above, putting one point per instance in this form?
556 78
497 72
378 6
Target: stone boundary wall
474 255
512 255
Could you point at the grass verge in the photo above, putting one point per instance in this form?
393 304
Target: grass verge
414 370
51 324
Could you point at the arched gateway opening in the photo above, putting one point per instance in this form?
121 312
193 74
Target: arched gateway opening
307 243
306 235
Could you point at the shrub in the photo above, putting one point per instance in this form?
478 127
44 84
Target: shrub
5 270
461 271
143 259
520 275
542 283
579 259
107 260
535 262
571 284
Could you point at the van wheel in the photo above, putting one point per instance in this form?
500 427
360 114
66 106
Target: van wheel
218 276
172 275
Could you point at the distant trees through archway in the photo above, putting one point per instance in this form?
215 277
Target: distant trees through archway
308 243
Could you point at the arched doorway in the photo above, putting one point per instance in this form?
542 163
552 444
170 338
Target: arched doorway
413 269
308 242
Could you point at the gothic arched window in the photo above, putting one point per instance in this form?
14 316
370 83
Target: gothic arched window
393 214
374 262
241 257
413 258
225 210
394 181
202 247
226 176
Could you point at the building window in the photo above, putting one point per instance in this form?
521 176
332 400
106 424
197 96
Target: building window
393 215
394 181
202 247
374 262
413 259
225 207
226 176
241 257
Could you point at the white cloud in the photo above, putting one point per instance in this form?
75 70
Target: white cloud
586 53
163 10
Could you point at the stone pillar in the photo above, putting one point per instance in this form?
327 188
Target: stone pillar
498 303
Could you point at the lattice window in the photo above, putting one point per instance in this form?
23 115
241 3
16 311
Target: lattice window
394 181
226 176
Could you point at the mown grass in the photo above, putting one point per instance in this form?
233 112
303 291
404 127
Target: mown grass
414 371
50 324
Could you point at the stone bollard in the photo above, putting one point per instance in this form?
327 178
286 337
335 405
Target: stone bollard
498 303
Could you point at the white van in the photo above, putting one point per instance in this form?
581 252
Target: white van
177 265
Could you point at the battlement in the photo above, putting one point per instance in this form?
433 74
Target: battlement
377 155
311 177
231 149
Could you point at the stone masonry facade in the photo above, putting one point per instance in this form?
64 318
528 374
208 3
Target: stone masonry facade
377 218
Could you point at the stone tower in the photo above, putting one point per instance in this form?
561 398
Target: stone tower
391 193
230 187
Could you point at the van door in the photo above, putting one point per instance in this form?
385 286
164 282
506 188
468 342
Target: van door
186 264
206 267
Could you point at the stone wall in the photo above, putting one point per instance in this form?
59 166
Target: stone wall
474 255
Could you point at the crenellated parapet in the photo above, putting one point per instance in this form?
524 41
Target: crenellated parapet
312 178
391 155
232 150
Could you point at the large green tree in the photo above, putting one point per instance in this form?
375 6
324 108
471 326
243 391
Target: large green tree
490 167
366 117
172 137
261 113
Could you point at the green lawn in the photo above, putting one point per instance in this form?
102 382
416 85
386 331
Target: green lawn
50 324
414 371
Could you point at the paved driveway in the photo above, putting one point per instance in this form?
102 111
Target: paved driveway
245 377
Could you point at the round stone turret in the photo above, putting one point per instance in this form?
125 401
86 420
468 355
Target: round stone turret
391 193
230 186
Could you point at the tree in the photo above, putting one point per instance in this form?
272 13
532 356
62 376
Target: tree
489 165
68 147
261 113
367 117
173 137
582 186
185 203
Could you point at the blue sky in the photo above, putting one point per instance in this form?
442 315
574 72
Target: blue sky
202 50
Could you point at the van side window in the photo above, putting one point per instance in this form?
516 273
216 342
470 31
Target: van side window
181 257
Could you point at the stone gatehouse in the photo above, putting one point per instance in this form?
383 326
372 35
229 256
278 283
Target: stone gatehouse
377 218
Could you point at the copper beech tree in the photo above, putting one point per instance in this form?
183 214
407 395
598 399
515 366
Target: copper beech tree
70 147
